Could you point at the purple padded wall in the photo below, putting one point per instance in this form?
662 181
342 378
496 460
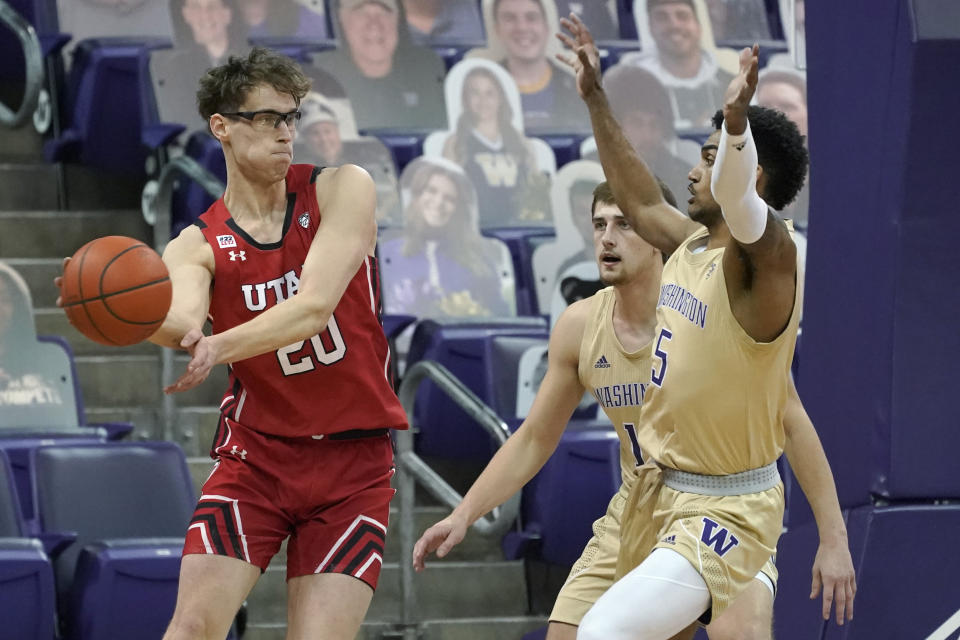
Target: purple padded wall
879 350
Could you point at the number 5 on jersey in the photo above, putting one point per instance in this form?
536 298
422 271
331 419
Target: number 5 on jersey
295 359
659 353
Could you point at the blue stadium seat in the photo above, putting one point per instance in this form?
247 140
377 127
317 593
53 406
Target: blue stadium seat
118 513
27 603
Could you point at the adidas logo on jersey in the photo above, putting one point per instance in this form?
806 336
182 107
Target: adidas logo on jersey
672 539
602 363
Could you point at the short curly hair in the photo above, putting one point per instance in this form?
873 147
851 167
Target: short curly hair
781 151
225 88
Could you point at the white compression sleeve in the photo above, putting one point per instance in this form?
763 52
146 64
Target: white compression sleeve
734 186
655 601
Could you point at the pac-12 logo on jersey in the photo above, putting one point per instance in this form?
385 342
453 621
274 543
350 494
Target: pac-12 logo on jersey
304 219
226 241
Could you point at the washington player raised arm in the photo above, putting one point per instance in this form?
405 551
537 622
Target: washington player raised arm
345 237
189 260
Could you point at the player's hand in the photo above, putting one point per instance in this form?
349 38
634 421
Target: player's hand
740 91
441 537
58 283
203 352
833 573
585 59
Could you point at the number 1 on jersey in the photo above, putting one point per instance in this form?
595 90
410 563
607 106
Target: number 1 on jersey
656 377
632 432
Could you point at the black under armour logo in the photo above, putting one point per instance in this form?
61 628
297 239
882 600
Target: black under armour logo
740 145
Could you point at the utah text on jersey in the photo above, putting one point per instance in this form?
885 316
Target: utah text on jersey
259 296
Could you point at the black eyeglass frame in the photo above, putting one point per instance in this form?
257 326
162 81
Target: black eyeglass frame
281 117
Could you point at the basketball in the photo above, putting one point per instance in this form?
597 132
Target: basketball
116 290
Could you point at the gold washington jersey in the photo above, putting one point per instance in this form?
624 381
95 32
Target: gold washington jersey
716 397
617 378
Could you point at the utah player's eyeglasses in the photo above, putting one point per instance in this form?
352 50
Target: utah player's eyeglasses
267 118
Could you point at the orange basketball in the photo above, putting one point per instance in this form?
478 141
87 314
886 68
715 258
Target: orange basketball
116 290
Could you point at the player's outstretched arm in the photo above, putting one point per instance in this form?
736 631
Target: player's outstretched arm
190 261
633 183
346 236
759 237
526 451
833 571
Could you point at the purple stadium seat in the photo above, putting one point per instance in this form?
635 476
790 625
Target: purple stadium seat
117 573
538 634
20 435
104 105
565 146
27 605
405 146
453 53
571 491
522 242
41 400
463 348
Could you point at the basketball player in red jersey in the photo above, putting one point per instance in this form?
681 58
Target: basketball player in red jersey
284 265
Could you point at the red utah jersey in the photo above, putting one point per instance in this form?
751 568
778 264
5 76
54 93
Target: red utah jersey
337 380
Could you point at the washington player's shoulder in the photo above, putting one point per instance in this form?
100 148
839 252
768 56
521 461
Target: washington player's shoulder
567 333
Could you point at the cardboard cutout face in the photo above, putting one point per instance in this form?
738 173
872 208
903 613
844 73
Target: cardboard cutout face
454 89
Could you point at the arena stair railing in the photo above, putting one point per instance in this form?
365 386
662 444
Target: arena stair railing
156 203
33 56
414 470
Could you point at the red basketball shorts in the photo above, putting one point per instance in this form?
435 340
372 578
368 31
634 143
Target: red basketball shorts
331 496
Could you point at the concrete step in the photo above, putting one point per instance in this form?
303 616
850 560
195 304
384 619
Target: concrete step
23 144
55 234
29 186
447 589
145 420
193 427
123 381
53 322
39 274
507 628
